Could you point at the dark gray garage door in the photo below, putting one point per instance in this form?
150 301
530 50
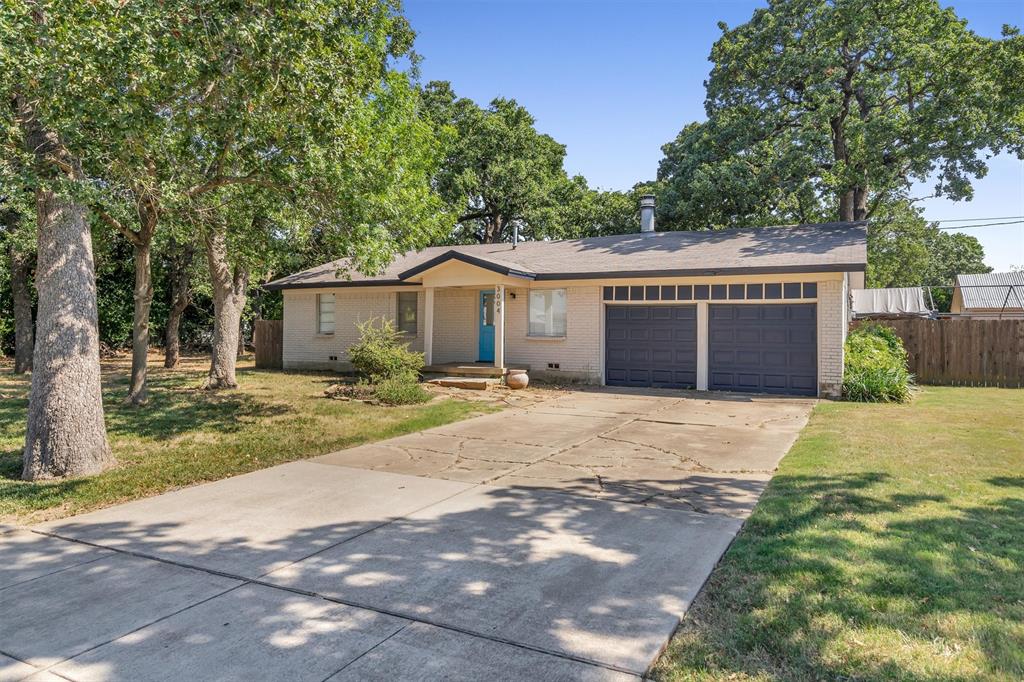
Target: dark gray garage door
651 345
764 348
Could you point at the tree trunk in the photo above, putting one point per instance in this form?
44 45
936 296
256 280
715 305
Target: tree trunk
229 286
860 203
181 298
21 272
143 296
492 229
66 435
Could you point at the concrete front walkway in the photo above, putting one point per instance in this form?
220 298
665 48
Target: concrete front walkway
559 542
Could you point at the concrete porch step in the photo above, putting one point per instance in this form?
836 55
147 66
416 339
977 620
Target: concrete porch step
470 370
471 383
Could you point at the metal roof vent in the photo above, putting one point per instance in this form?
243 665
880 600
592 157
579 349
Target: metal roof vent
647 213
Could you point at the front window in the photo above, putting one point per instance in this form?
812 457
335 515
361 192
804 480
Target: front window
406 316
325 313
547 313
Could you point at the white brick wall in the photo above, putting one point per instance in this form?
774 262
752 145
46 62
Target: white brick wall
456 330
305 349
578 355
456 325
832 313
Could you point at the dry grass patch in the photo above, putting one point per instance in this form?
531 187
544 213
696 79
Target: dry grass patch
185 435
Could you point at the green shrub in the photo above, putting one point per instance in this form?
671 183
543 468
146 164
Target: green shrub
401 390
876 366
382 353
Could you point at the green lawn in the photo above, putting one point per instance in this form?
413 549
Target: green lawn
890 546
186 436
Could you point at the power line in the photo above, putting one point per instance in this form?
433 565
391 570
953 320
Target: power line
971 220
968 227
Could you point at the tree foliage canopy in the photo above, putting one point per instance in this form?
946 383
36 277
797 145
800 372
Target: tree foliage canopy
836 106
499 173
193 104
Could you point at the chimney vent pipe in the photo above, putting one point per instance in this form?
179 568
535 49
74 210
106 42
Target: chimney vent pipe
647 213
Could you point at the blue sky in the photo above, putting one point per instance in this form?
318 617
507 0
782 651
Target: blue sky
615 80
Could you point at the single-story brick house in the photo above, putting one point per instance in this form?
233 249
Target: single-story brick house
762 310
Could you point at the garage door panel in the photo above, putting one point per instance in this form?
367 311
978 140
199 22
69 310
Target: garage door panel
639 355
805 383
770 348
663 356
804 313
722 335
802 336
751 335
803 357
617 355
651 345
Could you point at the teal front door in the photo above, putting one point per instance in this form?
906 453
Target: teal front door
486 353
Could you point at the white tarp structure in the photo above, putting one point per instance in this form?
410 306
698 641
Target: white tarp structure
896 302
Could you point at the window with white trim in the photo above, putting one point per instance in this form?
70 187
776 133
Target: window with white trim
547 313
325 313
405 318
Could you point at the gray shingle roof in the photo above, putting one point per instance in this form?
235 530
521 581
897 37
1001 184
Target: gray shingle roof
985 291
804 248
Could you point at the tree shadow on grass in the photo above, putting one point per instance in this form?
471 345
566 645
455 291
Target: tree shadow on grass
178 405
827 562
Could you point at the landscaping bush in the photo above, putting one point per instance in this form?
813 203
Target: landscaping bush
876 366
382 353
401 390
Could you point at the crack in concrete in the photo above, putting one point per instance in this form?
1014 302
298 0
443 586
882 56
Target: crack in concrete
698 466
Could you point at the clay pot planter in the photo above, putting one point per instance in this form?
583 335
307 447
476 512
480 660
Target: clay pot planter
518 380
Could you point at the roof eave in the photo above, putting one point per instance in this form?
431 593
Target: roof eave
706 272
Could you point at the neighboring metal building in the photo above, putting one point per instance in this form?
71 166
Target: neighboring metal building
996 295
890 303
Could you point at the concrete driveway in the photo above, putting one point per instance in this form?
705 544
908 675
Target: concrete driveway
559 542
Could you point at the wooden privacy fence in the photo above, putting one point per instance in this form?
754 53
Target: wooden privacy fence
268 337
963 352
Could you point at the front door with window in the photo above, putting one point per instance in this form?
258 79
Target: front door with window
486 353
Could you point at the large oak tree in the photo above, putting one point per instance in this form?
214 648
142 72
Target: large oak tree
245 122
842 105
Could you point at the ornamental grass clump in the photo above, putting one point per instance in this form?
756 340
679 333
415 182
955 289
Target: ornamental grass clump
876 366
383 358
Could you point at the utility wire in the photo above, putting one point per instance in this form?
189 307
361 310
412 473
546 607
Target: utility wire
971 220
967 227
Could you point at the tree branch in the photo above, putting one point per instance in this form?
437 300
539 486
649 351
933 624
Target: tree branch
224 180
113 222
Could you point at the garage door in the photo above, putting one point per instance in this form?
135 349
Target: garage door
651 345
763 348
